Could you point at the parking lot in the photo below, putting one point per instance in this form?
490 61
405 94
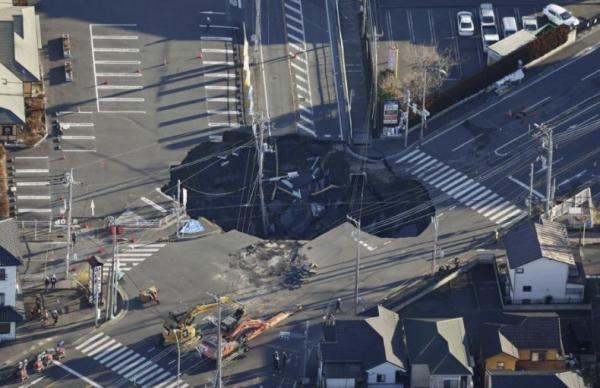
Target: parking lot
405 28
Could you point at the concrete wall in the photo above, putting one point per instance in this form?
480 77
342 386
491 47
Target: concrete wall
387 369
339 383
419 376
546 277
437 381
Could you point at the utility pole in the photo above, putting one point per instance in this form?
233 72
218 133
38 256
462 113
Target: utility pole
113 275
178 206
423 118
434 221
305 358
407 118
69 179
531 172
547 132
260 149
357 264
218 378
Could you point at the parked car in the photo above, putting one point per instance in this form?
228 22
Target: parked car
489 36
530 23
466 27
509 26
560 16
486 15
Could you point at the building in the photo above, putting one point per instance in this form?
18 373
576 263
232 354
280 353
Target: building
363 352
20 69
10 259
541 265
438 353
568 379
532 342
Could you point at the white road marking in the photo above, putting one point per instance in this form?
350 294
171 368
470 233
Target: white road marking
116 37
30 157
119 75
32 170
591 75
573 177
220 26
302 117
94 66
103 62
220 87
222 99
33 184
220 51
217 38
304 128
302 107
219 75
296 38
290 7
115 50
229 125
34 382
113 25
123 111
537 193
78 137
536 104
122 99
226 63
298 30
73 125
467 142
29 210
296 47
301 79
120 87
287 15
154 205
223 112
86 342
78 150
75 373
297 67
123 256
32 197
159 245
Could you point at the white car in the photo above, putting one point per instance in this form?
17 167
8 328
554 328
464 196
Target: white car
530 23
486 15
489 36
560 16
466 27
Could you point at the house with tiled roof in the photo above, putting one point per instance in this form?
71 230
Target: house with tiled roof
535 379
532 342
542 267
438 353
10 259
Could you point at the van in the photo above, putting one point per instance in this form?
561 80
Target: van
509 26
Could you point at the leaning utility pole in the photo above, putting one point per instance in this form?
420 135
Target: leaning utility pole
218 377
357 264
407 118
531 173
178 206
434 221
69 179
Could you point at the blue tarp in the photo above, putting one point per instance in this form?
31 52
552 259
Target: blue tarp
191 227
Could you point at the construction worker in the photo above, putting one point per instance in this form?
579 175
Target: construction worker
53 281
338 305
208 22
55 317
46 284
154 295
284 359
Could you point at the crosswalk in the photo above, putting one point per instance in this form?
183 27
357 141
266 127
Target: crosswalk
133 255
32 188
76 131
462 188
294 21
127 363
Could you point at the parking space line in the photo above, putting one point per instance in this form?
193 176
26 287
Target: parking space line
30 210
218 26
123 111
115 50
113 25
453 28
25 184
32 197
80 150
78 137
431 27
217 38
222 99
32 170
30 157
94 66
116 37
219 75
75 125
229 125
227 63
122 99
223 112
118 75
219 51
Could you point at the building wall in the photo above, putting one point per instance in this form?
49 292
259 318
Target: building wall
339 383
419 376
387 369
551 354
491 363
546 277
437 381
10 336
9 286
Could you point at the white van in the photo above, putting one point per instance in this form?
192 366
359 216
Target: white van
509 26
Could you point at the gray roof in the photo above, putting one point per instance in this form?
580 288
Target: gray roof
532 241
535 379
517 40
10 247
371 341
493 342
441 344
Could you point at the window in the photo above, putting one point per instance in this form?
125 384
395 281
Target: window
2 299
538 356
451 384
380 378
520 270
500 365
526 288
4 327
2 273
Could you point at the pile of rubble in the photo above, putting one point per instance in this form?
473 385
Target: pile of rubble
273 262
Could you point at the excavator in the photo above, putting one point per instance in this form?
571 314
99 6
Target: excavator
179 327
237 339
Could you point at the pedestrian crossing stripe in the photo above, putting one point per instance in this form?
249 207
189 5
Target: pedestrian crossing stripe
461 187
127 363
133 255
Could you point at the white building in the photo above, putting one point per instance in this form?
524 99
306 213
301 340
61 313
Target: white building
9 261
541 265
366 352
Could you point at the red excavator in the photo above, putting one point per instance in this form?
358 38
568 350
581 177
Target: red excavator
245 331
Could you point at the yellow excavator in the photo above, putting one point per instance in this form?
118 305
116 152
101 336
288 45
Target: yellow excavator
179 327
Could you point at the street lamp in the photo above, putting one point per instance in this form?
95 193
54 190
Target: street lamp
424 116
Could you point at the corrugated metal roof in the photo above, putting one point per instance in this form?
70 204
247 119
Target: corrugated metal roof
517 40
10 246
12 99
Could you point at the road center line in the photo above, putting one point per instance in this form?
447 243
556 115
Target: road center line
75 373
467 142
523 185
536 104
590 75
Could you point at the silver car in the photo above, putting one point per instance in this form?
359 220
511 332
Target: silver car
466 27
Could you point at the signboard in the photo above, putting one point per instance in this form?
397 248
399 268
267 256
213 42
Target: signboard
95 284
391 110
